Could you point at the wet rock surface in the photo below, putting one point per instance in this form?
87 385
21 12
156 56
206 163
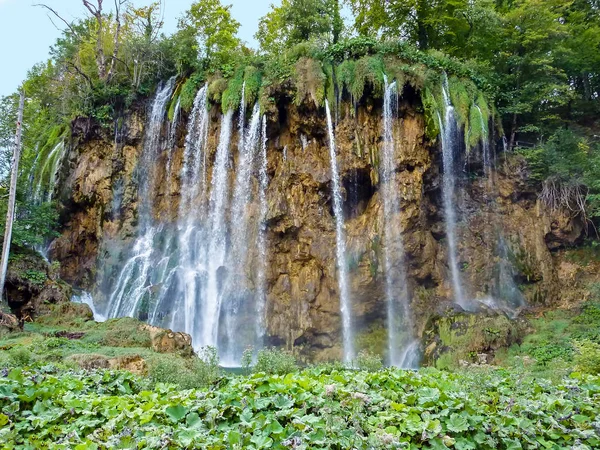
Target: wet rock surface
99 198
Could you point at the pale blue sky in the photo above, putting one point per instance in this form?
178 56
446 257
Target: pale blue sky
26 32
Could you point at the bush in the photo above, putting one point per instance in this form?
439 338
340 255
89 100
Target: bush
20 357
195 372
275 361
368 361
587 357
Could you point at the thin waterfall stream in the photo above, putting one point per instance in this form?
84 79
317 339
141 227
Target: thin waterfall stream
399 320
340 241
448 135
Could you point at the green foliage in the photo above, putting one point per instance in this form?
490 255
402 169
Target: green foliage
216 31
36 277
587 357
20 357
365 360
373 340
298 21
557 338
187 373
433 113
188 91
275 361
425 409
232 96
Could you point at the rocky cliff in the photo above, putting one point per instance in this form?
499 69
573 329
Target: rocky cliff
98 190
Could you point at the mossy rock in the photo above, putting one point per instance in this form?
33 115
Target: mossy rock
462 336
32 286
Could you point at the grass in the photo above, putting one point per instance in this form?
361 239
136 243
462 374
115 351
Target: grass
555 345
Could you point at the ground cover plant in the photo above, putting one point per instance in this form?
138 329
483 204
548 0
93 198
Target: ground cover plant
313 409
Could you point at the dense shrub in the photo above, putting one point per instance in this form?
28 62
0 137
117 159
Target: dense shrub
275 361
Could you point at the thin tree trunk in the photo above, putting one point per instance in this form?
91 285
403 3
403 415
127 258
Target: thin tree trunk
12 195
513 133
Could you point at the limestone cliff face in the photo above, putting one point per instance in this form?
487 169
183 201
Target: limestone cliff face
98 190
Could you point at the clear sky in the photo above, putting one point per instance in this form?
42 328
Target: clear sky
26 32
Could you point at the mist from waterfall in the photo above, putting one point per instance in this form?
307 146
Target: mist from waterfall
505 294
450 144
401 351
340 241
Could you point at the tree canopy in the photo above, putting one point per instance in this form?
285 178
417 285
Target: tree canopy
538 61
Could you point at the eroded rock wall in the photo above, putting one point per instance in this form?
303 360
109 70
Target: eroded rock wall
99 194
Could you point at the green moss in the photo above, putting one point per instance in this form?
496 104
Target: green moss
309 80
461 100
345 75
232 96
433 114
188 91
369 70
463 336
253 79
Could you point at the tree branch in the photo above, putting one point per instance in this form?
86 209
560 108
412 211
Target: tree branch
57 15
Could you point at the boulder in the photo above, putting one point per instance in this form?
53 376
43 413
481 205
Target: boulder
167 341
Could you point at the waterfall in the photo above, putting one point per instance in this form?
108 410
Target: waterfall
239 237
50 167
340 241
173 136
193 171
399 326
132 283
86 299
507 295
261 294
216 256
187 275
449 132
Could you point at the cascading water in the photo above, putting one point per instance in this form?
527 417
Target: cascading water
216 252
449 134
261 294
399 323
173 136
506 294
237 278
340 241
132 285
48 170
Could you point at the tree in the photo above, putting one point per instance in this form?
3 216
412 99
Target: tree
532 84
142 26
296 21
216 31
436 24
12 195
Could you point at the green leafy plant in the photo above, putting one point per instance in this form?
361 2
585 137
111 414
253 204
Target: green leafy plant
275 361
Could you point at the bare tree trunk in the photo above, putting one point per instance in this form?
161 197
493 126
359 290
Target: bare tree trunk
96 11
117 40
513 133
12 195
